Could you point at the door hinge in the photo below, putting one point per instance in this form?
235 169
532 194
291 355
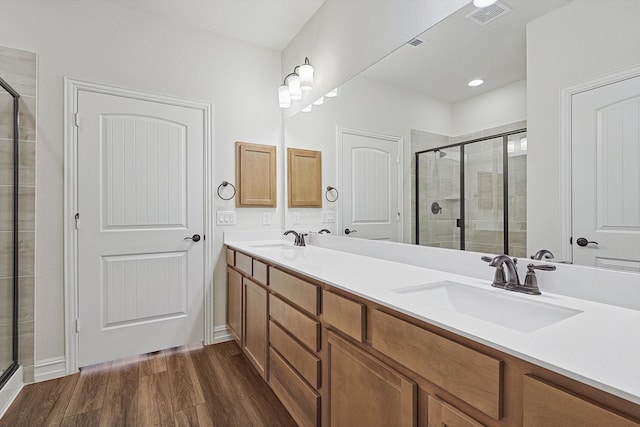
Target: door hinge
77 218
76 119
77 325
398 159
399 216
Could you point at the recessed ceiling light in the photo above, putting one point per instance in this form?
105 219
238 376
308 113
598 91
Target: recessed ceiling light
483 3
475 82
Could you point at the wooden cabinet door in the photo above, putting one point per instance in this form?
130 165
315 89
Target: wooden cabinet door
234 303
255 175
441 414
365 392
255 325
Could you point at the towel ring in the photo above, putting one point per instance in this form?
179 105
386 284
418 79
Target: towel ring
326 194
224 184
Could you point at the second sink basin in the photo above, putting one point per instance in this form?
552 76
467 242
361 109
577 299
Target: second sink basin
511 312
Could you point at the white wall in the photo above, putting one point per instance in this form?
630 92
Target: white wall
502 106
102 42
371 106
345 37
582 40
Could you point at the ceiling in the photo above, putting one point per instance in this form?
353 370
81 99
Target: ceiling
267 23
457 50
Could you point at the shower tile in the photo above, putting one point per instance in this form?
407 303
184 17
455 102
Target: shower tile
27 162
18 68
26 206
25 299
6 334
26 240
6 115
25 342
27 118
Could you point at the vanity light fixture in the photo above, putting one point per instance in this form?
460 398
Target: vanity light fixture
475 82
319 101
307 109
523 143
301 80
511 146
483 3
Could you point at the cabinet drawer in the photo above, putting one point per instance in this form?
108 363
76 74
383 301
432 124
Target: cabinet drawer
440 413
343 314
300 400
549 406
471 376
298 324
231 257
260 271
244 263
303 294
307 365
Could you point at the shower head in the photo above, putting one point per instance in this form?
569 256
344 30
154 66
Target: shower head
440 153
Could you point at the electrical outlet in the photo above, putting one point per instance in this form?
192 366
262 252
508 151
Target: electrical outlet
296 218
328 217
226 218
266 218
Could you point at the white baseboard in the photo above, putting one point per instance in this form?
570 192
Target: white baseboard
49 369
10 391
221 334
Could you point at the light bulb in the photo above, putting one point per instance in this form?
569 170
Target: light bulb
475 82
523 143
319 101
283 96
332 93
483 3
511 146
293 81
307 109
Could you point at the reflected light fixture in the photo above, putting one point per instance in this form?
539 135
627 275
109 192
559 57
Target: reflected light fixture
475 82
307 109
319 101
511 146
332 93
483 3
523 143
301 80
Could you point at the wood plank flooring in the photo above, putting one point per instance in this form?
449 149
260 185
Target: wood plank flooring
184 386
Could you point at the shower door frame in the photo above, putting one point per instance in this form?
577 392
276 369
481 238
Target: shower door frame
9 371
505 183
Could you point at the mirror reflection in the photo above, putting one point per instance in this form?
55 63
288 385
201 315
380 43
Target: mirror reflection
415 108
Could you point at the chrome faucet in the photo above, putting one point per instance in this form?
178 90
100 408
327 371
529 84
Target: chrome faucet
511 278
324 230
299 240
542 254
506 276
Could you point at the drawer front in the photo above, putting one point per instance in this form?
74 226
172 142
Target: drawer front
463 372
303 294
546 405
302 402
298 324
305 363
260 271
244 263
231 257
440 413
343 314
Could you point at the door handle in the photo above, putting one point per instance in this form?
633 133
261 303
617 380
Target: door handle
347 231
584 242
195 238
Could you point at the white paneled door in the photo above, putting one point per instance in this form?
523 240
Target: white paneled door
371 196
140 226
605 135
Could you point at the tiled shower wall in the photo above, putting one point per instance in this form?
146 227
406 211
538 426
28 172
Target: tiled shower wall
18 68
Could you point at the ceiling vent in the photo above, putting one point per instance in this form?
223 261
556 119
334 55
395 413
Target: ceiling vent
484 15
415 42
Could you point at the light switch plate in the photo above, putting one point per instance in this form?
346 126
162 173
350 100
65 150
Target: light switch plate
226 218
296 218
266 218
328 217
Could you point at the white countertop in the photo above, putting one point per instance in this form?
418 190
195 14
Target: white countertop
599 346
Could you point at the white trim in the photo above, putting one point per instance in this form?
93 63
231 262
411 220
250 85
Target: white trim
221 334
10 391
71 89
48 369
565 146
340 131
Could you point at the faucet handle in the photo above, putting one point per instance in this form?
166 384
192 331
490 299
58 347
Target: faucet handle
543 267
486 258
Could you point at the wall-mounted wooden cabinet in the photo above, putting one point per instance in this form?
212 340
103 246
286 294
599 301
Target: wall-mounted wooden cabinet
305 178
255 175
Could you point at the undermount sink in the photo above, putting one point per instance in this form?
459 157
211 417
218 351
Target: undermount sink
511 312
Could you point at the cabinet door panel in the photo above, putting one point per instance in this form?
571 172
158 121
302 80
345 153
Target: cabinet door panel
298 324
441 414
255 324
301 359
365 392
234 303
343 314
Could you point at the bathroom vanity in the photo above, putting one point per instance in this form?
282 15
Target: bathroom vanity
345 339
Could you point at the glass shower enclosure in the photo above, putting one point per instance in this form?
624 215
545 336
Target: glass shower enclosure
9 104
472 195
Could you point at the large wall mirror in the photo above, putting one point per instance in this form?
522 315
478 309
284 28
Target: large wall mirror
418 156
